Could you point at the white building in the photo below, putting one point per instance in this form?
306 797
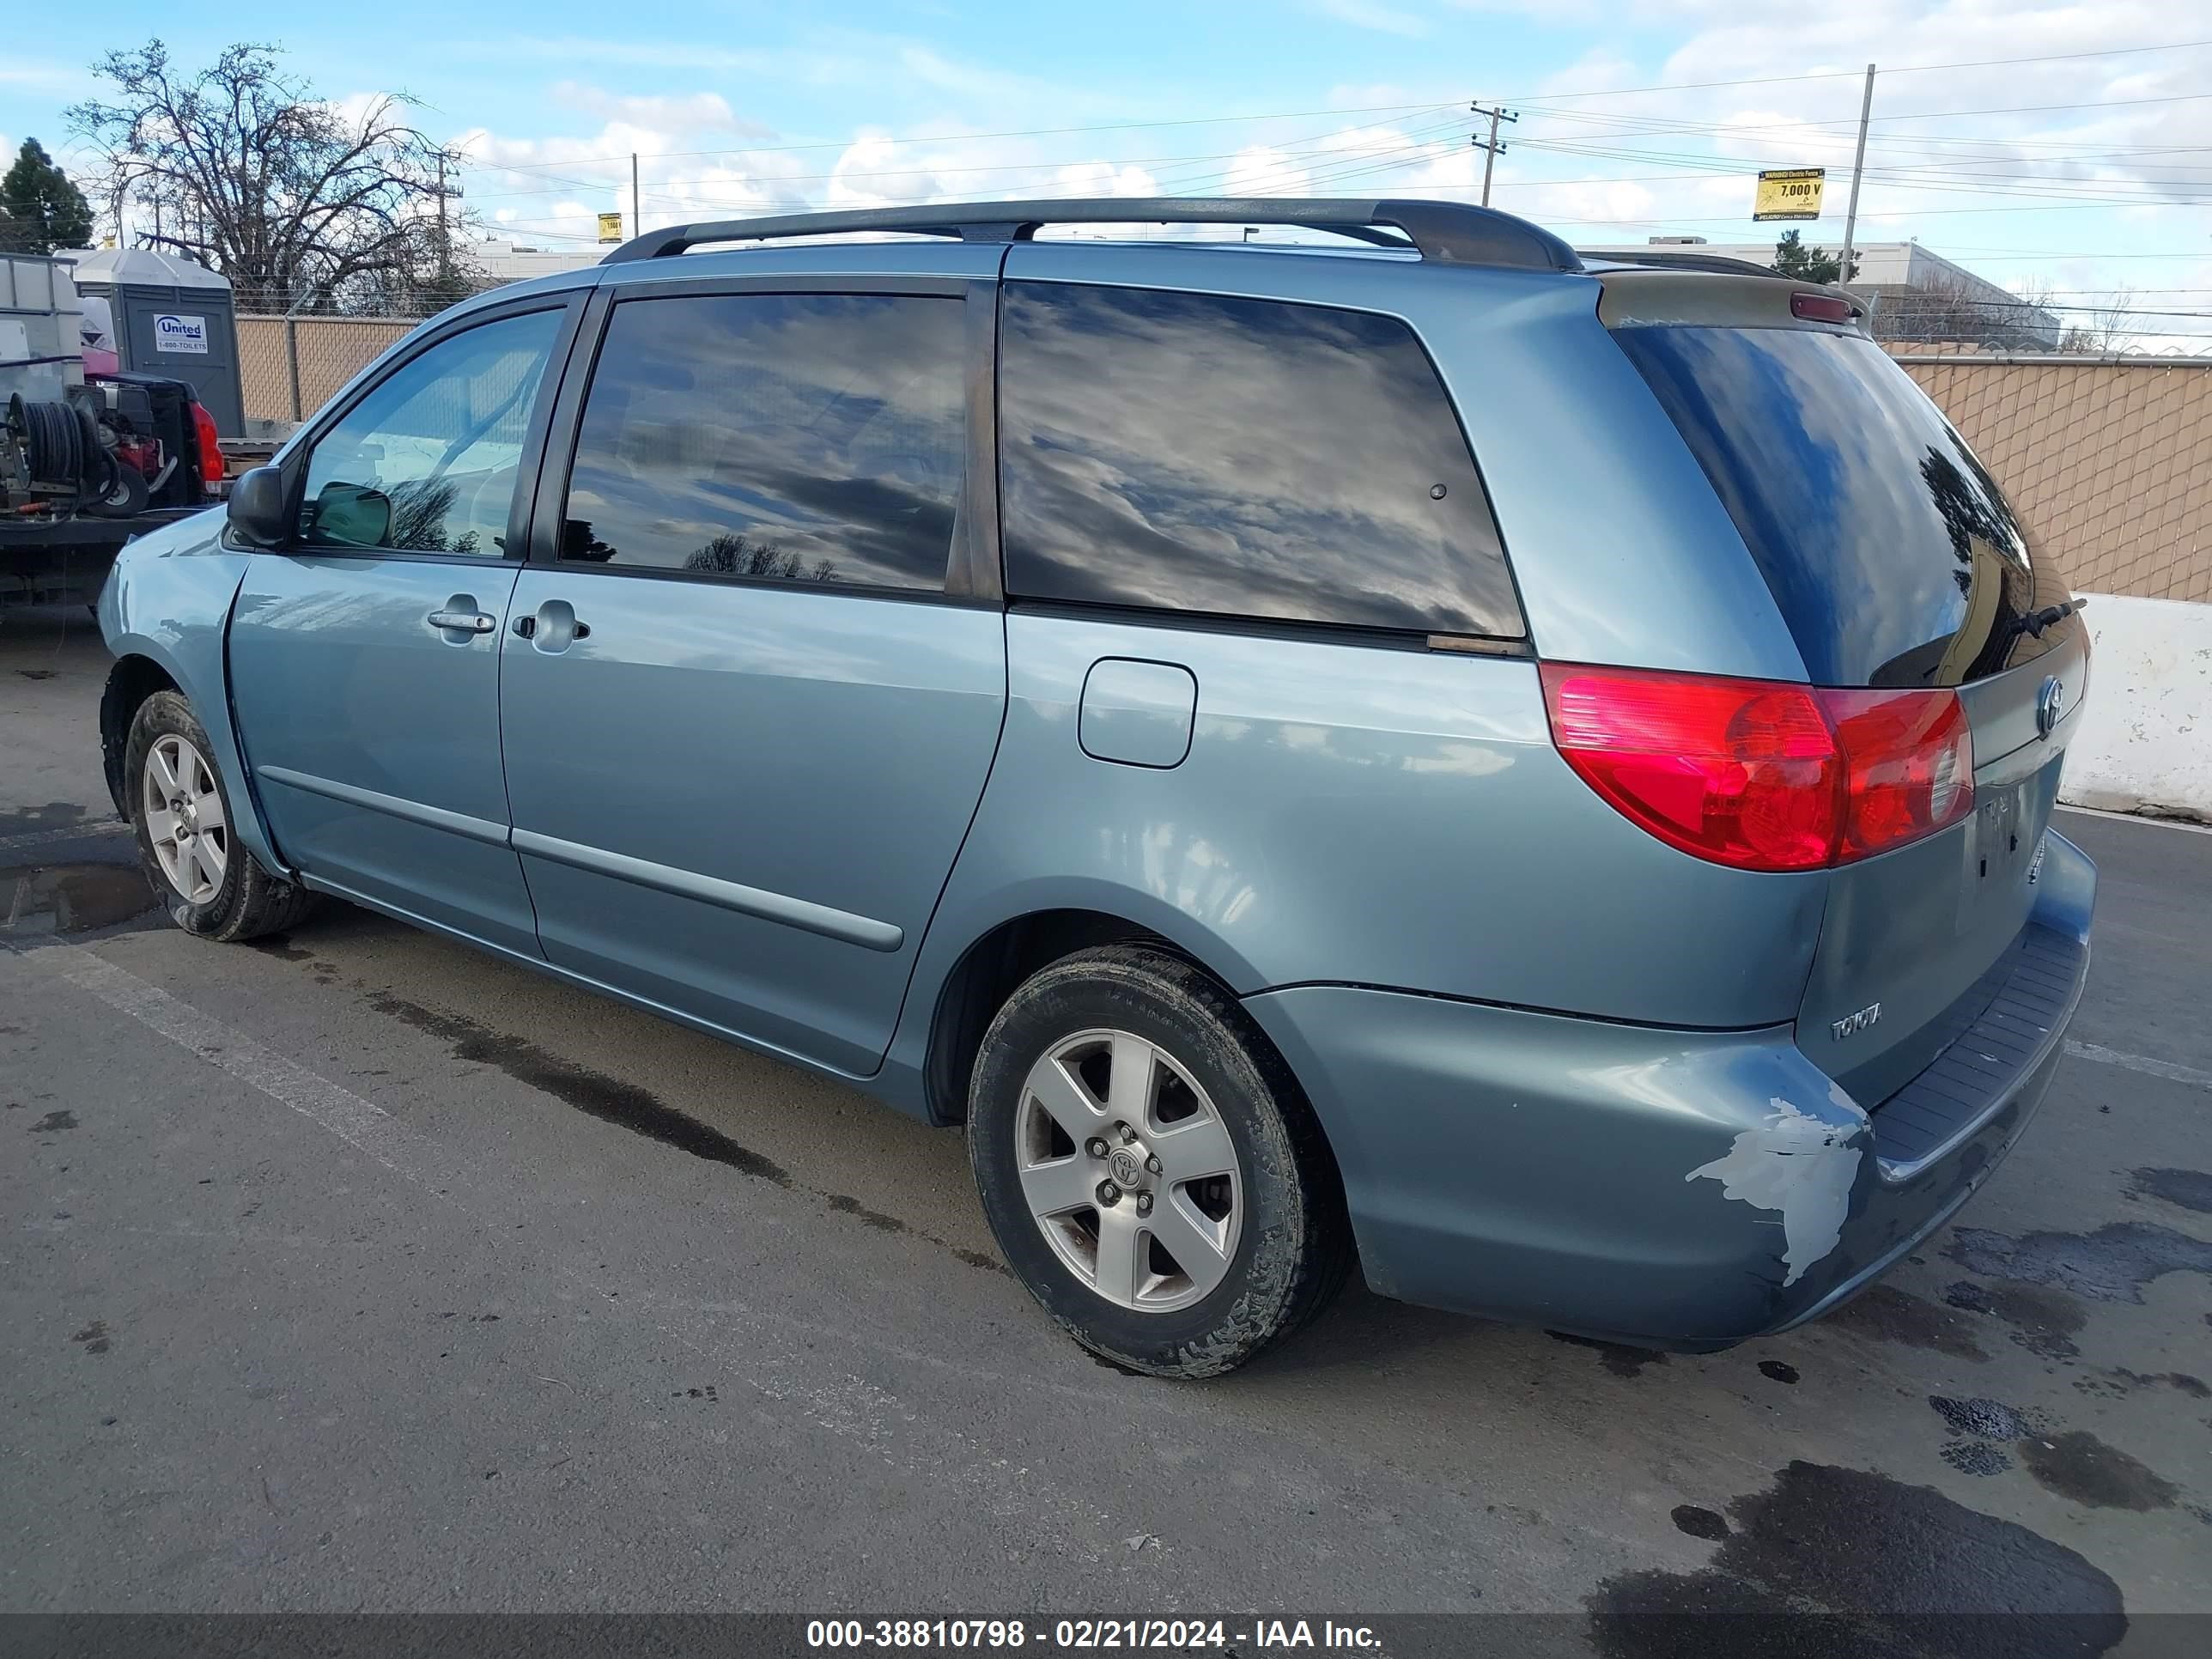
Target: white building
1923 296
505 261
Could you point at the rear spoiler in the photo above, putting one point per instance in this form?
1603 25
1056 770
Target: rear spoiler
1721 292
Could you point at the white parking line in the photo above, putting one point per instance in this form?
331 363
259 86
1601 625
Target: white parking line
770 1352
2143 1063
343 1113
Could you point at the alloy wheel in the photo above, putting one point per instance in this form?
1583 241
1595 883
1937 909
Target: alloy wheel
185 819
1128 1171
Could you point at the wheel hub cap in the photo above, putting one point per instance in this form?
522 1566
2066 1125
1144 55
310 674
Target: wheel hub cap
1128 1171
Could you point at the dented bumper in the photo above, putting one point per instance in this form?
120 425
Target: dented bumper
1681 1190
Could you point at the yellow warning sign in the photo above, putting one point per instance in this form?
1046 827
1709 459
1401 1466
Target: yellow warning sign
611 227
1789 193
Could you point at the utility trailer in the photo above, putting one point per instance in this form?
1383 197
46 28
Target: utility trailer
91 454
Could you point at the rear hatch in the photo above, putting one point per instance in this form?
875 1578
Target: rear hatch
1897 563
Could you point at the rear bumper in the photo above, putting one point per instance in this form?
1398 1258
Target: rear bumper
1681 1190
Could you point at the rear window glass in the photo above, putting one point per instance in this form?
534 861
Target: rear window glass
1239 458
1891 552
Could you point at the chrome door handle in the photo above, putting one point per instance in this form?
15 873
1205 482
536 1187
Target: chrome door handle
463 621
554 628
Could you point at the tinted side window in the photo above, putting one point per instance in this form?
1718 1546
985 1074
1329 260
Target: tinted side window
426 462
796 437
1244 458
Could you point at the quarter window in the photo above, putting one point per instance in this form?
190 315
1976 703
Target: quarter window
1242 458
427 462
785 437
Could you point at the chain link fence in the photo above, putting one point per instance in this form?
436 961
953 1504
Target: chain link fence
291 366
2105 461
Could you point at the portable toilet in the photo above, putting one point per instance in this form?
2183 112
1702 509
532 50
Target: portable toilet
171 317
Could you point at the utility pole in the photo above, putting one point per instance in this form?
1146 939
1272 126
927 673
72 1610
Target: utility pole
1491 148
445 240
636 224
1858 164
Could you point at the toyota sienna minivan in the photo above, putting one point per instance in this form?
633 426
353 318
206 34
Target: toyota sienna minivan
1529 775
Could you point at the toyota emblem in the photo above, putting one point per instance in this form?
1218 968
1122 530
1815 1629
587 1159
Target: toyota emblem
2049 705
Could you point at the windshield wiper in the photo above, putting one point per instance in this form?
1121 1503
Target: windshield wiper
2036 621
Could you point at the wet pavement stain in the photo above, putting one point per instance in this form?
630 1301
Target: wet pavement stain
1709 1524
876 1218
2110 1264
1882 1568
54 1123
94 1337
1987 1419
1894 1315
610 1099
2044 1322
2118 1382
280 945
39 673
2187 1189
1976 1457
2080 1467
2076 1465
1618 1358
628 1106
44 900
28 820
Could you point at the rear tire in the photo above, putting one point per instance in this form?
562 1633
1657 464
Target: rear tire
209 883
1212 1224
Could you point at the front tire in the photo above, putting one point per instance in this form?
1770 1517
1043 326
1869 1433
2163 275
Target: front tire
209 883
1149 1166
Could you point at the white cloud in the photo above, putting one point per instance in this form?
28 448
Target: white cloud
1372 15
707 112
1611 167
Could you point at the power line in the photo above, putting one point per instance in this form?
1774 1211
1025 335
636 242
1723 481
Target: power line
1853 75
1368 109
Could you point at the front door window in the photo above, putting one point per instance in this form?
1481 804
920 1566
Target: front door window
428 461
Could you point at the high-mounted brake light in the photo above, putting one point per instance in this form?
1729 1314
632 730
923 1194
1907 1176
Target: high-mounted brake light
1822 308
1763 775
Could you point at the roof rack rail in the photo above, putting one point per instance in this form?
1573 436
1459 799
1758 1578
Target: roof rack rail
1447 232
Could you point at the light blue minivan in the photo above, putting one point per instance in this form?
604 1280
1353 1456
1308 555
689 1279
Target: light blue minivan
1408 748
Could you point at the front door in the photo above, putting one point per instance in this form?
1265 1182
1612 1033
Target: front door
365 661
746 726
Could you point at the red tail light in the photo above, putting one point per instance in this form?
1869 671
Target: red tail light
211 445
1763 775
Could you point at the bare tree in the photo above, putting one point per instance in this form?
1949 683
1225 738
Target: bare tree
1947 314
302 204
2102 328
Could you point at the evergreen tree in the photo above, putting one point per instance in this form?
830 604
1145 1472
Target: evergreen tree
1793 258
39 208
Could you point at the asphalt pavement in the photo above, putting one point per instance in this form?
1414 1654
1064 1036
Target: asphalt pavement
356 1270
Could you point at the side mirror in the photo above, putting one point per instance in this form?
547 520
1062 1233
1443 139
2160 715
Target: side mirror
354 515
257 514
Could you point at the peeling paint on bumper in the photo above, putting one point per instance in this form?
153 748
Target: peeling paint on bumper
1549 1170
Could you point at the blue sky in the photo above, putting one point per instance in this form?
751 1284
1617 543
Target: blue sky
2080 174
